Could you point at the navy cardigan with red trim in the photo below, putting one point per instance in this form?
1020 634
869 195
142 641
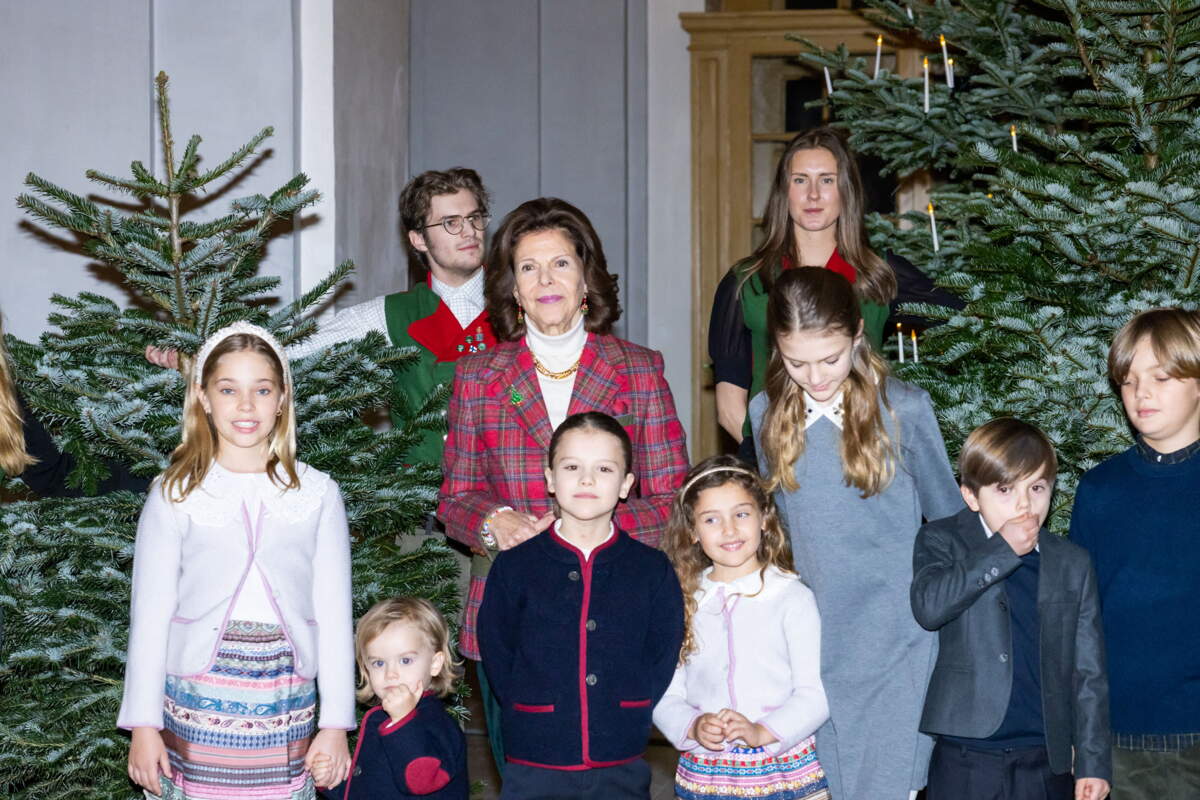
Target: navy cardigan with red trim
423 755
578 650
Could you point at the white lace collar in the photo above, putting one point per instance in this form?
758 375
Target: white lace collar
217 501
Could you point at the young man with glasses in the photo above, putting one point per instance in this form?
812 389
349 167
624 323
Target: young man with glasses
444 214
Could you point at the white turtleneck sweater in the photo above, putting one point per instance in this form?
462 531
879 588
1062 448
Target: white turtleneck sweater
556 353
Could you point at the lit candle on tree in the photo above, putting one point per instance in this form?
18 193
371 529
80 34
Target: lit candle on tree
878 53
916 359
1012 131
950 72
945 59
900 342
828 80
926 85
933 228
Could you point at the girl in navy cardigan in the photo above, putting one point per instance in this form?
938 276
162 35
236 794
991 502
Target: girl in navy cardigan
580 629
408 746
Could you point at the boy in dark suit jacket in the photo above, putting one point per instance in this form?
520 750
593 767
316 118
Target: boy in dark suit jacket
1020 679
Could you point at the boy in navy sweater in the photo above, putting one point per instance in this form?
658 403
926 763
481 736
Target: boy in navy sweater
1018 698
408 746
580 630
1137 514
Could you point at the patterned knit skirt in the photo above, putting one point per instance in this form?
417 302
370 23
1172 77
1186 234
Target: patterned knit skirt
241 730
742 772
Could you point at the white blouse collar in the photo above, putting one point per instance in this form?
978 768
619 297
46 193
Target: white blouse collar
831 409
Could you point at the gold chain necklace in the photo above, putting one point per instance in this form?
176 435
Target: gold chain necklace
555 376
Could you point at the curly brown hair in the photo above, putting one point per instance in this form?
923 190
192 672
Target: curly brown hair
500 280
683 547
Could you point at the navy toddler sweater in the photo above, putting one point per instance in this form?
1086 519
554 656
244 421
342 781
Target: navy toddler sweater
578 650
422 755
1140 521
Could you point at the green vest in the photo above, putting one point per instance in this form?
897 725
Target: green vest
754 312
416 381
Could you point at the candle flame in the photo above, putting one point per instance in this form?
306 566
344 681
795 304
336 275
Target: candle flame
1012 129
926 63
897 326
879 41
931 209
914 335
950 61
942 39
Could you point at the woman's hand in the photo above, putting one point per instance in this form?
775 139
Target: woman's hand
738 728
512 527
148 759
330 743
1091 789
709 731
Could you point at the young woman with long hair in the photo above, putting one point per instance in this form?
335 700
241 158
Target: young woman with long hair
856 460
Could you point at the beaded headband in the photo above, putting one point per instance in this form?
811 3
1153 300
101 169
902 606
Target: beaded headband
241 327
713 471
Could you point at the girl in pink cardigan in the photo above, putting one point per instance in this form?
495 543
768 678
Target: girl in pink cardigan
747 695
240 617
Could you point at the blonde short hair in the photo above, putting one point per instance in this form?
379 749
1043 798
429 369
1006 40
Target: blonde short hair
1003 451
1174 333
420 613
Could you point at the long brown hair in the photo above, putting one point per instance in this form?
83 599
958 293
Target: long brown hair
874 280
683 548
192 459
818 301
13 457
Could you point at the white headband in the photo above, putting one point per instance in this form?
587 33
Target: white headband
241 327
713 471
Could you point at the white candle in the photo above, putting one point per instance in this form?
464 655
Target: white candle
900 342
828 80
926 85
933 228
908 9
1012 131
878 53
945 55
916 359
950 73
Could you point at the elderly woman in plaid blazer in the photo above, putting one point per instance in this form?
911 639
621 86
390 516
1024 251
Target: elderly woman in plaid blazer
552 304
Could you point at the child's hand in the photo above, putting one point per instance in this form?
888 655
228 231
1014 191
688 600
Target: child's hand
1091 789
709 731
738 728
400 700
148 759
330 743
322 770
1021 533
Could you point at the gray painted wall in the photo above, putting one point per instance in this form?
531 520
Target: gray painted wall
543 97
77 93
370 64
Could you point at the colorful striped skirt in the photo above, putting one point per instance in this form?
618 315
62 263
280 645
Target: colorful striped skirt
241 730
743 772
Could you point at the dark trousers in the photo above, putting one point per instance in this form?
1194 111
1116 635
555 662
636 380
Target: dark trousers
491 718
1151 775
625 782
961 773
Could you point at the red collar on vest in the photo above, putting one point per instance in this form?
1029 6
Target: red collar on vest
835 263
440 334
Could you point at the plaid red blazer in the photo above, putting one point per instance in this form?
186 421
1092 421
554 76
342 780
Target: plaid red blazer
499 432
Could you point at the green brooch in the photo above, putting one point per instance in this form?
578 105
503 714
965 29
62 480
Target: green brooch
515 397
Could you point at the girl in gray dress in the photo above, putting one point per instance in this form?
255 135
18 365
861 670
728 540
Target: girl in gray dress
856 460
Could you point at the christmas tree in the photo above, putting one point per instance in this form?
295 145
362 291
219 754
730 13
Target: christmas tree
65 565
1063 148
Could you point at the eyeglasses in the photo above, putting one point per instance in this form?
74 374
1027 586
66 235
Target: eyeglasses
454 225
